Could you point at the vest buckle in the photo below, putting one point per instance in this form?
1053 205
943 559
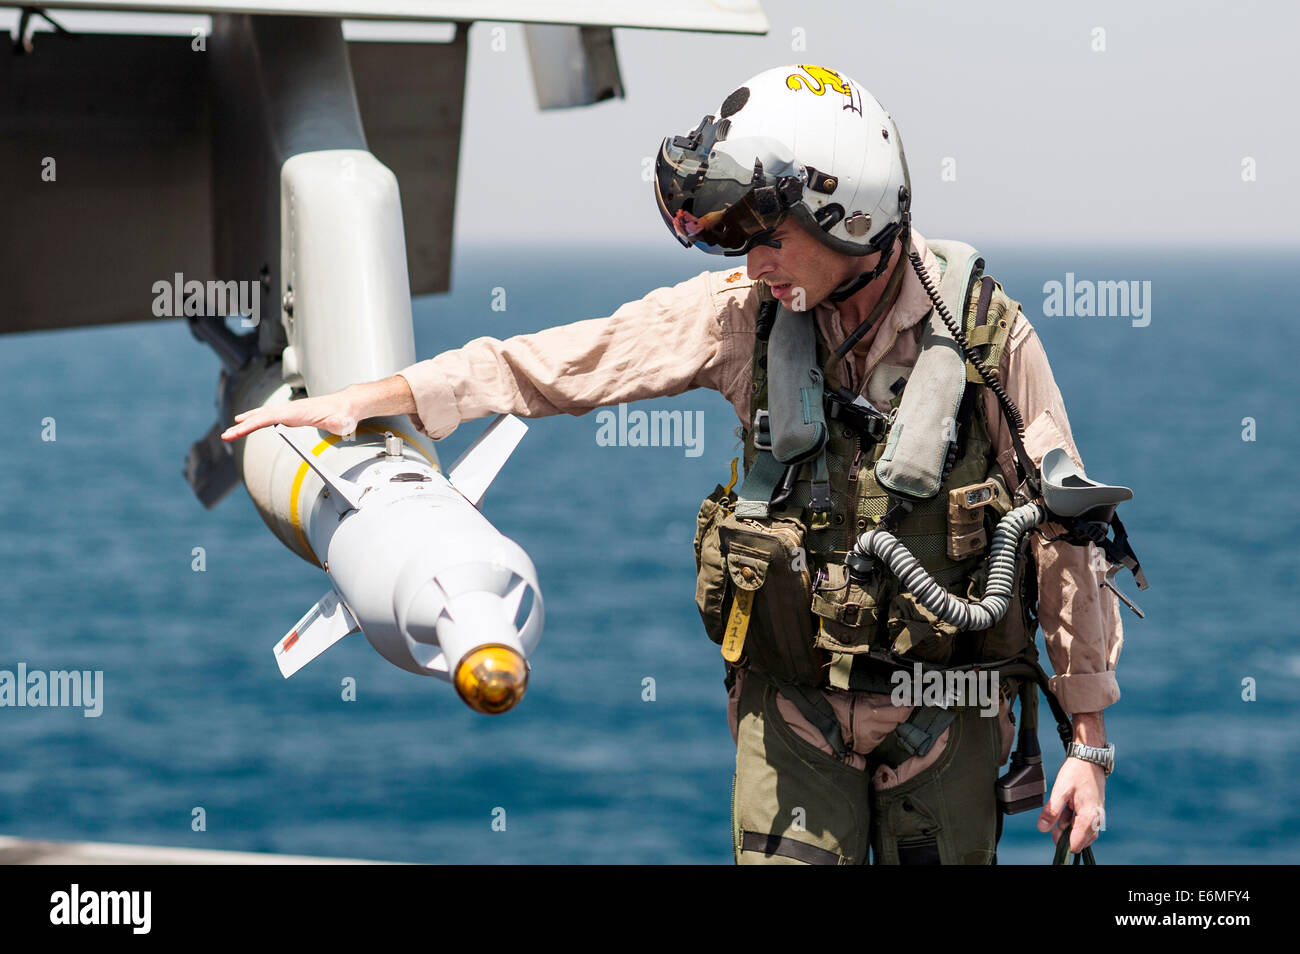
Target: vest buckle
859 414
762 430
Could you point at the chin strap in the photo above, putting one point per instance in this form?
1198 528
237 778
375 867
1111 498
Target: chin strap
855 285
887 299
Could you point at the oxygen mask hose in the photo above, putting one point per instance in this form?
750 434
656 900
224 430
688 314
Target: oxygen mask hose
884 546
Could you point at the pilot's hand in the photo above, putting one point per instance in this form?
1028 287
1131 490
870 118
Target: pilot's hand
1078 800
337 413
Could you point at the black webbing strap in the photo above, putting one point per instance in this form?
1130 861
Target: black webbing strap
1026 463
766 318
899 507
1028 469
1030 668
1118 551
1063 846
812 705
887 299
982 308
915 737
1121 551
888 235
957 446
864 676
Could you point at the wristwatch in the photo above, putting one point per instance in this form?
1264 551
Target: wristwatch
1101 755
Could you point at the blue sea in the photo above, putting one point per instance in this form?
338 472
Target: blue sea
96 573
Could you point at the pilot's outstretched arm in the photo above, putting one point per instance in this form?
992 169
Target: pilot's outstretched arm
670 341
679 337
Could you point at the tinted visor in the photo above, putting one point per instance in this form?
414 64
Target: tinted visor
724 197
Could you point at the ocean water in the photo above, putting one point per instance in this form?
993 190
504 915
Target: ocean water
96 573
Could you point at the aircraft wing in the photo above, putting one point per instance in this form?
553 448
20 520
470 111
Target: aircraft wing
124 165
713 16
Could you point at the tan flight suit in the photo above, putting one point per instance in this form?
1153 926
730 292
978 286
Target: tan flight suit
700 333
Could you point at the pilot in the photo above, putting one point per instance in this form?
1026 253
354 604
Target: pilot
803 173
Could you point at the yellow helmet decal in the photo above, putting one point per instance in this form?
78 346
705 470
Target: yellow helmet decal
820 79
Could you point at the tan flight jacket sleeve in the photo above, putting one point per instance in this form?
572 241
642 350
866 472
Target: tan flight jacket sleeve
668 342
1080 618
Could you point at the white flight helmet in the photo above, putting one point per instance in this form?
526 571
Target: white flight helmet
804 141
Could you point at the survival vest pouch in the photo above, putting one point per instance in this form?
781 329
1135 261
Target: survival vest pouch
753 590
754 587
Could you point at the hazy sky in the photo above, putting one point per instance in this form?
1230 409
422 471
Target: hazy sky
1052 140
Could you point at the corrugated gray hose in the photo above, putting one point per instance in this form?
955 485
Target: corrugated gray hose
888 549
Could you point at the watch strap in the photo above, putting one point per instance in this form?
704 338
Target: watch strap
1098 755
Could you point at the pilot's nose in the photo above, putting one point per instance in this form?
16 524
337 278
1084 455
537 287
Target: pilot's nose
759 261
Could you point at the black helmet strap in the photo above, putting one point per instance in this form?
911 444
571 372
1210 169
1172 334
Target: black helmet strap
885 239
855 285
886 301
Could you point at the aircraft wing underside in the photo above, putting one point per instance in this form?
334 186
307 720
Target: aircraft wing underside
720 16
127 159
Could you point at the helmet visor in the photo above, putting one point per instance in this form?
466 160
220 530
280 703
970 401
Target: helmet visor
724 197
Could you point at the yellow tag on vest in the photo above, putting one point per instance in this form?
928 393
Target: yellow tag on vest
733 640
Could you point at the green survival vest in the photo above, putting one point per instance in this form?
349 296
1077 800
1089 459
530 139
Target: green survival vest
806 624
